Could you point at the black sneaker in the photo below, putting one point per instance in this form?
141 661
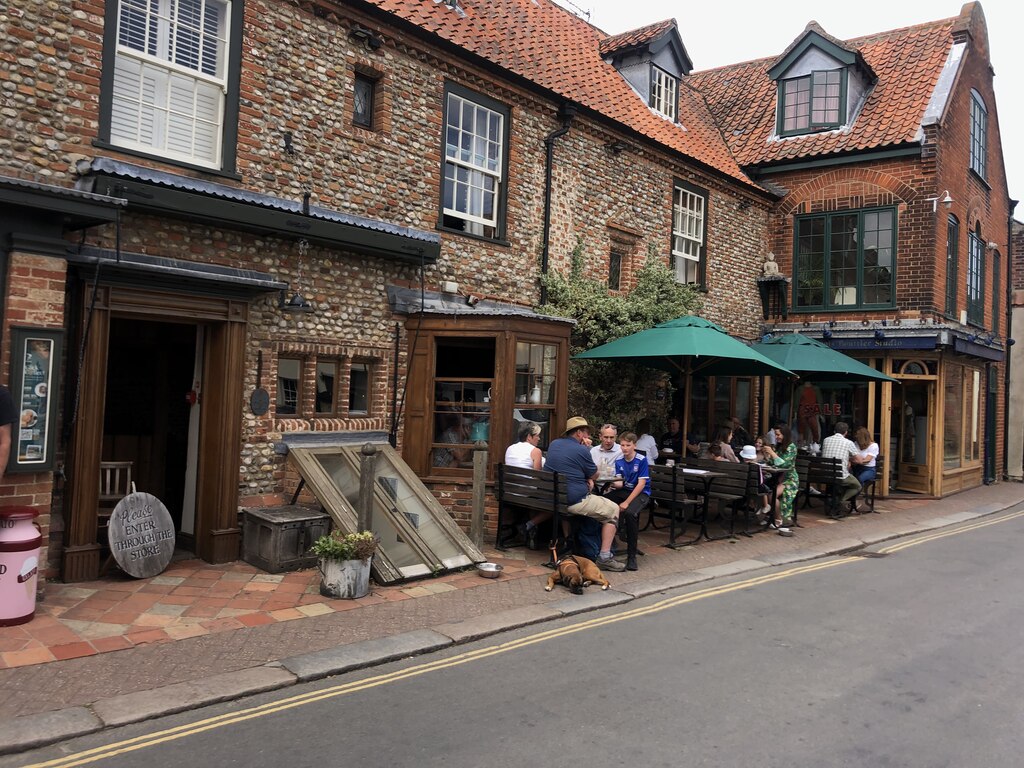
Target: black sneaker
631 563
610 564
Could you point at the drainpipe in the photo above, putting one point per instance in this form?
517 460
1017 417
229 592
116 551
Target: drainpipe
567 111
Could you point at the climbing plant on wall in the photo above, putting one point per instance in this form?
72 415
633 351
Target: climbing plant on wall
621 393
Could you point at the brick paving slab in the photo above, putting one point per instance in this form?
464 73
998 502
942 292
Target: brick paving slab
166 660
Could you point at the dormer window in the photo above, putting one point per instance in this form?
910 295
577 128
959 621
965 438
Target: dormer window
822 84
815 102
664 92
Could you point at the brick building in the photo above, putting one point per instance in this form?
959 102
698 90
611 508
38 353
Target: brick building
892 228
347 205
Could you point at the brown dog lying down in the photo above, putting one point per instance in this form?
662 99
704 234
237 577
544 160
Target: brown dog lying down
576 572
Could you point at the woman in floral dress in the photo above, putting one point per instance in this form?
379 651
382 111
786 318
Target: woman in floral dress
783 456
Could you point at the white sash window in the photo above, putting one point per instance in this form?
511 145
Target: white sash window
687 234
170 78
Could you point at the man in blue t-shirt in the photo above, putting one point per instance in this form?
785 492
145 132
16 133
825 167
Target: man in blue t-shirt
570 458
632 493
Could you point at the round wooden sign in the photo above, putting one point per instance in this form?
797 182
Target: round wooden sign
141 535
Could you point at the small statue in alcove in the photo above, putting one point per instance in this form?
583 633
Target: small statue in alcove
770 268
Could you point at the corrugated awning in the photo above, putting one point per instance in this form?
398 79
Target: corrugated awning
157 192
143 269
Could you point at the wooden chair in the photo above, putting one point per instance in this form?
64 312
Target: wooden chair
115 484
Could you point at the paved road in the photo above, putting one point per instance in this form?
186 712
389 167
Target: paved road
910 659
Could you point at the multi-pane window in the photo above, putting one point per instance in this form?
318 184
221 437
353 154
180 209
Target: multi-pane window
975 277
979 134
170 78
952 260
813 102
363 93
688 216
474 164
845 259
664 90
359 388
289 385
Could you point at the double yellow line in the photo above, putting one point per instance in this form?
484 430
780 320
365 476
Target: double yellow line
311 697
944 533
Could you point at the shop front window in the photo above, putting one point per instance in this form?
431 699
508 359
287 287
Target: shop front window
535 387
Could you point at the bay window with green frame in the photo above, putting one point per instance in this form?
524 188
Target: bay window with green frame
845 260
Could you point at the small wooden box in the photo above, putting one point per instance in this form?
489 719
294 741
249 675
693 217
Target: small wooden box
278 539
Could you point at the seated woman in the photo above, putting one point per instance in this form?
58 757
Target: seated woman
724 440
863 464
527 455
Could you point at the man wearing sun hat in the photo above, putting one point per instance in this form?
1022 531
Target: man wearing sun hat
569 457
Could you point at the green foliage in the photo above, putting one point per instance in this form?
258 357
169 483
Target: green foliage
613 391
345 546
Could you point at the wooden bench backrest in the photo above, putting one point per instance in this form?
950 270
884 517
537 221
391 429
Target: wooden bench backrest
739 479
531 488
821 470
667 485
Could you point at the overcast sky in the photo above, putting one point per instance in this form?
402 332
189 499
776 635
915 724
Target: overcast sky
718 32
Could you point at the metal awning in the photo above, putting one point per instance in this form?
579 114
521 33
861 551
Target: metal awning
157 271
408 301
78 209
166 194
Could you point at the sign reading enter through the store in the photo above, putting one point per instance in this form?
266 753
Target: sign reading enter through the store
141 535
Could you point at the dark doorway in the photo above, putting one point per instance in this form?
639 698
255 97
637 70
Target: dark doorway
150 369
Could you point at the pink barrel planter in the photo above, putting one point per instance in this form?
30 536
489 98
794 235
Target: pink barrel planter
20 541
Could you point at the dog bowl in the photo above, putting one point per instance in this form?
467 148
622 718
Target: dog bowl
489 570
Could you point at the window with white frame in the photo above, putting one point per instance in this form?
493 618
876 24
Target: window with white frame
475 153
688 215
979 134
814 102
664 89
170 72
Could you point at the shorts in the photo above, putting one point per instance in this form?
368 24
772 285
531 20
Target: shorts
597 507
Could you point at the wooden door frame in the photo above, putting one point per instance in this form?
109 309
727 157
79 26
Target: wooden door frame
220 430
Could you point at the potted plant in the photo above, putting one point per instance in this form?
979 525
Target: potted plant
345 563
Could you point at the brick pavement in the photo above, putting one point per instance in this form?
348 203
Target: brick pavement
288 617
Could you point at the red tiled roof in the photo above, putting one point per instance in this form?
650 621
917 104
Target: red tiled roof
907 62
636 36
551 47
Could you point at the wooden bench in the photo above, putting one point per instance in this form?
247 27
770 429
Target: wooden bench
735 489
532 489
669 500
819 471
